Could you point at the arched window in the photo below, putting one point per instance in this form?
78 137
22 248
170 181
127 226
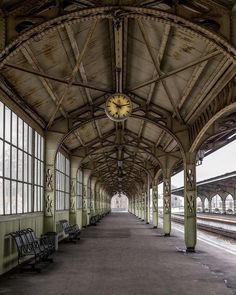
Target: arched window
62 182
89 192
21 165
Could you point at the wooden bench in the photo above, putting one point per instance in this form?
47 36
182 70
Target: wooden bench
72 231
32 250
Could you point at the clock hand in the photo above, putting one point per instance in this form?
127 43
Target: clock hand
117 105
123 105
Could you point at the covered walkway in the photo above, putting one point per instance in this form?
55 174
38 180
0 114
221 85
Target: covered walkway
122 255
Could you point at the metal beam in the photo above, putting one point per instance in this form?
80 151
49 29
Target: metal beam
155 62
56 79
74 72
176 71
30 57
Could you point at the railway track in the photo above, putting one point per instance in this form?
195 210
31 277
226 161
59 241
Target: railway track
219 225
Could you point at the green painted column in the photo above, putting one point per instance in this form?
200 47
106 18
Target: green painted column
203 204
223 205
97 198
140 206
146 207
143 207
155 204
93 193
86 198
52 141
75 212
136 205
210 204
190 195
167 201
134 208
148 200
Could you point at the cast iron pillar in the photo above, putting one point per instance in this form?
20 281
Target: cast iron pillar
190 194
223 205
155 204
203 205
51 143
75 211
167 201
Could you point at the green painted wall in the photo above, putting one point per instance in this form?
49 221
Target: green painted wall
8 253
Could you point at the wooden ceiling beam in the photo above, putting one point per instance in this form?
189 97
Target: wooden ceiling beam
74 72
32 60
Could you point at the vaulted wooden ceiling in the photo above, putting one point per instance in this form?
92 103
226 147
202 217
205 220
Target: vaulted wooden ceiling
61 60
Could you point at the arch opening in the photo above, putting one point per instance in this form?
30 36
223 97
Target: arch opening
216 204
229 204
119 203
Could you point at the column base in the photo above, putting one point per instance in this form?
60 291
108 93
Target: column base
142 219
166 235
154 226
147 222
190 250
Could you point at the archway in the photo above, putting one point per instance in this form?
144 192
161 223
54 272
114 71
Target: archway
216 204
206 205
119 203
229 204
199 204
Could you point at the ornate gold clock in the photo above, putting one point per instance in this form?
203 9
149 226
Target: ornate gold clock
118 107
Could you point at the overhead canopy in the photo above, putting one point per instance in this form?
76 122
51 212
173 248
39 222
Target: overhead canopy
62 64
222 184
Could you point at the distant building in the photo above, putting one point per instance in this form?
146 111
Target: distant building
119 203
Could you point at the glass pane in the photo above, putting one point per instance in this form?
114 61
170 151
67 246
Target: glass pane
14 128
1 196
20 133
41 192
67 167
14 163
63 166
62 182
25 198
67 184
39 172
7 197
35 172
1 120
30 198
7 124
39 146
30 140
42 149
20 165
25 137
19 197
30 169
7 160
35 199
13 197
25 167
1 157
39 199
36 144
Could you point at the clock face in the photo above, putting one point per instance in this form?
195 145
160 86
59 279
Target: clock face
118 107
